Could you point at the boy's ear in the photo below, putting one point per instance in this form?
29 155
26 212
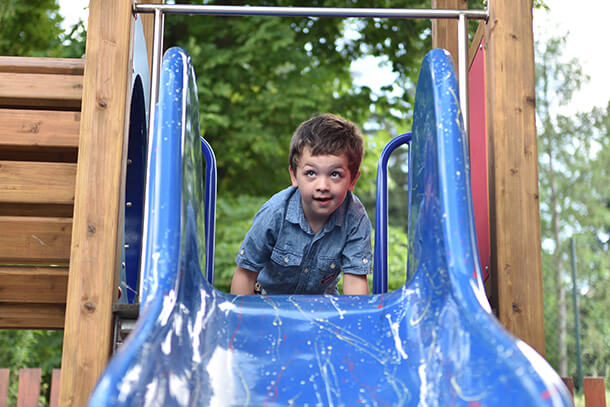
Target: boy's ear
353 184
293 178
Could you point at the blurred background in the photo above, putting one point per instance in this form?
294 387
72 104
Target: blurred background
259 77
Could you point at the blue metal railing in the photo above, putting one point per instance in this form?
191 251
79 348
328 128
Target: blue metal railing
209 210
380 258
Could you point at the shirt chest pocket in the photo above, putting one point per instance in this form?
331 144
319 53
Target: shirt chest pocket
328 268
283 258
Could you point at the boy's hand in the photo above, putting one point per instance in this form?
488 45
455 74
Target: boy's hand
355 284
243 281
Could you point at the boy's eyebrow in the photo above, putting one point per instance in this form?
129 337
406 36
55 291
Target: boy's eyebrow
334 167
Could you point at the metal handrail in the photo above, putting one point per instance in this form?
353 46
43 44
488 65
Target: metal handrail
380 257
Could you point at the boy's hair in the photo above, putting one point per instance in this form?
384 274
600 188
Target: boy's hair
328 134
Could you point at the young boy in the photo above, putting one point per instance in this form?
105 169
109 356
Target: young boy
305 236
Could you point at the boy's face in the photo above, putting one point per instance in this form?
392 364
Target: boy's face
323 181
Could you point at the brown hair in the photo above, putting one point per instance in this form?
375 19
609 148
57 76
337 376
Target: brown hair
328 134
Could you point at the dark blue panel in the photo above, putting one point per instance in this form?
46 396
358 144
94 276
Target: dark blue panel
134 192
432 342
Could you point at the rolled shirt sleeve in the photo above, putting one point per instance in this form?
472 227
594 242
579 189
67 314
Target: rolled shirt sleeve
258 243
357 254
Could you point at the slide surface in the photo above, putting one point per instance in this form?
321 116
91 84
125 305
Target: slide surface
431 343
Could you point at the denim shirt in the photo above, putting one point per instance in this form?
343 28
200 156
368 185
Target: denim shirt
290 259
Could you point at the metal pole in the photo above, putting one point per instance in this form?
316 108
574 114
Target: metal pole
157 54
576 314
309 11
463 70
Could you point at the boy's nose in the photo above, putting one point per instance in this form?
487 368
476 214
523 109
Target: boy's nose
323 184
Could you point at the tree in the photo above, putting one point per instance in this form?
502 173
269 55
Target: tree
259 77
573 203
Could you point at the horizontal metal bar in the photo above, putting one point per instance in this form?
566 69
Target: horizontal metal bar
310 11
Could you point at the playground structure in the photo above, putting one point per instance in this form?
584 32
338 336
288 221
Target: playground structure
96 180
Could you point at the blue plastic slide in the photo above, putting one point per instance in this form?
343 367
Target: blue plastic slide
433 342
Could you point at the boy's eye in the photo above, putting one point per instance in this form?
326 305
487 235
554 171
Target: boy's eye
310 173
335 174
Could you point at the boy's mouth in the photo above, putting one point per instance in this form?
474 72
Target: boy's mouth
322 199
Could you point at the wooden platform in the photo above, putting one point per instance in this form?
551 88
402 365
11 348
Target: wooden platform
40 102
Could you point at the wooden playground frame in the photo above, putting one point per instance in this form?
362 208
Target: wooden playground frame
55 208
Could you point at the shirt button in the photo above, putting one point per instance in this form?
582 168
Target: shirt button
285 259
332 265
306 271
242 251
365 261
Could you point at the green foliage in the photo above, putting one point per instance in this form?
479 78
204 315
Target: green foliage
259 77
33 28
29 349
574 203
233 219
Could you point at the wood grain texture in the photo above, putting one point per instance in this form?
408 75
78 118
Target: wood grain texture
58 66
475 43
29 387
24 285
96 237
595 391
35 182
36 89
32 316
4 377
513 163
39 128
36 210
35 240
54 395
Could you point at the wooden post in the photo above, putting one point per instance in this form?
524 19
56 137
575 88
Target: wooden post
96 235
513 170
595 391
444 32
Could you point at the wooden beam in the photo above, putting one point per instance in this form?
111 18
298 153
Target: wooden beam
29 387
513 164
4 376
595 391
96 236
476 41
36 182
54 394
35 89
26 285
32 240
32 316
39 128
57 66
36 210
444 31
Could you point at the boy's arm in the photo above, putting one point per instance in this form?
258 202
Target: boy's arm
243 281
355 284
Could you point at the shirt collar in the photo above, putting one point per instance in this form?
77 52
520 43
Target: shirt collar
295 214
